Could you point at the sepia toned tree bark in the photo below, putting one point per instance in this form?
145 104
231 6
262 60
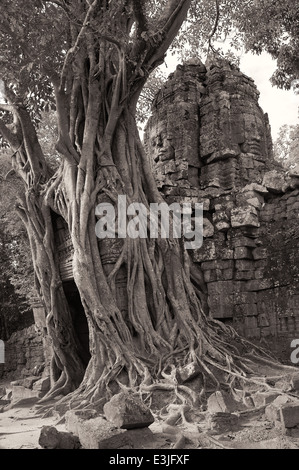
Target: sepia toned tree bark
102 157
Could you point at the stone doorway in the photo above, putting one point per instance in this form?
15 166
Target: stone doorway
79 319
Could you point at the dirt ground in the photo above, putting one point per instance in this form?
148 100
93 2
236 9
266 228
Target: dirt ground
20 428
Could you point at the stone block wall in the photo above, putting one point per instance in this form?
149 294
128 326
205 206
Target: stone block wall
24 354
249 257
251 267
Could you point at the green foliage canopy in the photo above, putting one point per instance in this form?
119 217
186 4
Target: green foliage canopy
35 37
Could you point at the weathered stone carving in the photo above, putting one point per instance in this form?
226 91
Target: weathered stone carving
172 133
209 141
250 254
110 250
64 248
235 140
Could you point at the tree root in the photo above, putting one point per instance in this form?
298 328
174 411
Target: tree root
61 387
172 428
215 441
173 431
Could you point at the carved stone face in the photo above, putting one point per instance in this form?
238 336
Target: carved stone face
161 143
255 135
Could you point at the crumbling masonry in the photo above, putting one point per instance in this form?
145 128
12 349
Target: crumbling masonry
209 141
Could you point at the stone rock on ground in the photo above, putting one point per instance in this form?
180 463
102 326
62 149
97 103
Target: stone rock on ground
128 412
188 372
30 387
95 432
289 415
223 402
22 403
284 384
264 398
19 392
222 422
295 382
51 438
2 392
42 385
28 382
4 402
272 411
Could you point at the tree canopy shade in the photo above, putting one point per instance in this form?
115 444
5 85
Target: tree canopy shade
90 60
273 26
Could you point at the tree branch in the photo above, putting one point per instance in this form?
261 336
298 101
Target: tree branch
140 16
30 161
149 51
216 20
74 49
173 17
215 24
33 149
6 107
64 144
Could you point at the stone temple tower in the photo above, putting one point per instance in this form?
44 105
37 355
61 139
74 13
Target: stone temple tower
209 141
172 133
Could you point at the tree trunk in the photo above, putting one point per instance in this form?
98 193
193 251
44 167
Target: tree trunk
159 325
141 296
